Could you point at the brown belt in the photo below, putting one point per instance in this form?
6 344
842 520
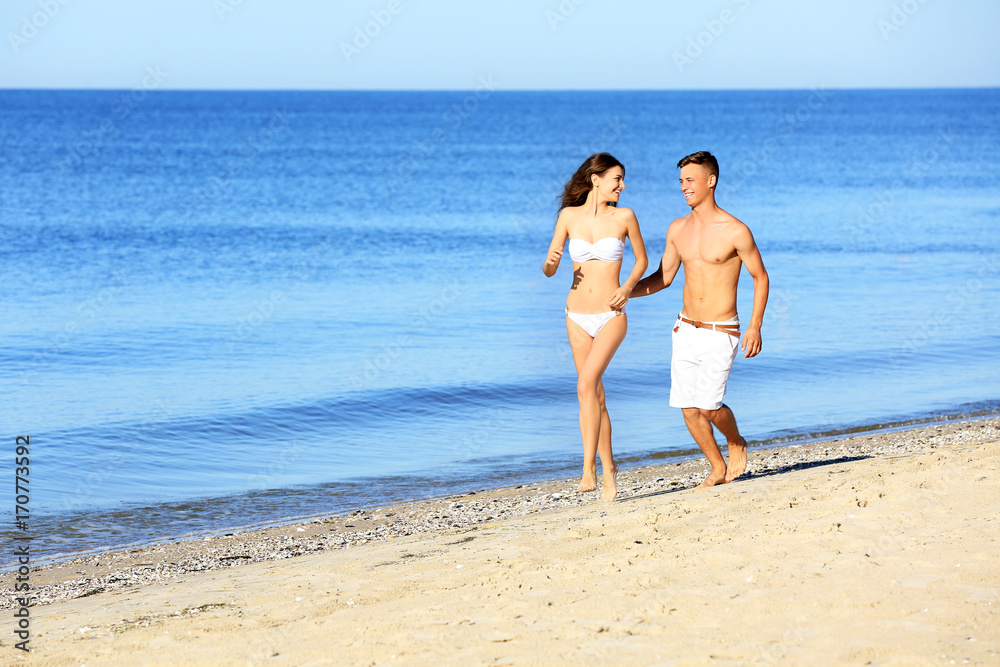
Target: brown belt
731 329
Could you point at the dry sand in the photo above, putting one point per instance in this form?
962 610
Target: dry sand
884 560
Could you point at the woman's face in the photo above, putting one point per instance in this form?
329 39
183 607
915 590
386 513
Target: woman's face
610 184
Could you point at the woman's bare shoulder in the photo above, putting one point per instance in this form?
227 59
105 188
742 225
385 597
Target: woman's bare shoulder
568 215
624 212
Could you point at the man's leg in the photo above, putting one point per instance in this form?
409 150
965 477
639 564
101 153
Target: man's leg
699 370
725 421
700 428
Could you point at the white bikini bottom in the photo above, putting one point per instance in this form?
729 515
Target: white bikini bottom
592 322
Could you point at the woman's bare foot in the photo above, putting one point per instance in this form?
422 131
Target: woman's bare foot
588 482
610 490
737 460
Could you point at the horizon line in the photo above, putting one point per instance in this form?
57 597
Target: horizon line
505 90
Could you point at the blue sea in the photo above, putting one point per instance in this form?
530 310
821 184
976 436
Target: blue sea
232 309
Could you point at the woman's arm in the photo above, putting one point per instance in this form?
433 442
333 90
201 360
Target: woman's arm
551 262
621 295
664 273
638 249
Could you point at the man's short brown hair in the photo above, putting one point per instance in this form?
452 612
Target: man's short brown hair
703 158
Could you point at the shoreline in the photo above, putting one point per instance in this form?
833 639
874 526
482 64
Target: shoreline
628 463
114 570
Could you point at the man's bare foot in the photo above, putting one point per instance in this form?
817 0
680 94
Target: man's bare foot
714 479
588 482
737 460
610 490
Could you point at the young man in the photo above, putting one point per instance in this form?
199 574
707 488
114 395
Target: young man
713 246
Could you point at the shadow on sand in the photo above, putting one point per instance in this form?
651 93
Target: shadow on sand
764 471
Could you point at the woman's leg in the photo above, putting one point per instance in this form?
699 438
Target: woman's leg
604 440
581 342
591 357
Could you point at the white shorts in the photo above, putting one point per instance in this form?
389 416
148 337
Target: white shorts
700 364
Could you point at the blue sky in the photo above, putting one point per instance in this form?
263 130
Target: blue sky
519 44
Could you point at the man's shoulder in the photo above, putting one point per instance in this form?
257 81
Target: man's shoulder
724 217
733 226
678 223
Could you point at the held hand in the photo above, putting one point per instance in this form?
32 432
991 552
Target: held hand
619 298
751 343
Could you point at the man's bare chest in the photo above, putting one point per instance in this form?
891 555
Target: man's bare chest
703 248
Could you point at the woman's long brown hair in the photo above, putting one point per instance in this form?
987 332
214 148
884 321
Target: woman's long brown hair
575 191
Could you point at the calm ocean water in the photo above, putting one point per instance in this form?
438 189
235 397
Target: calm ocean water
230 309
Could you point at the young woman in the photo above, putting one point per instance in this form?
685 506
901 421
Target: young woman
595 318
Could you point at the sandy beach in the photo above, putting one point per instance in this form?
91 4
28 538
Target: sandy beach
875 550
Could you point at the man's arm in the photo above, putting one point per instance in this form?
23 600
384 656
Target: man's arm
664 273
747 250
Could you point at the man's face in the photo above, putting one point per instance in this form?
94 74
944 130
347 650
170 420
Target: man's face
696 183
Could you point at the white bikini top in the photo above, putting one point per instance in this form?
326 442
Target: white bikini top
608 249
